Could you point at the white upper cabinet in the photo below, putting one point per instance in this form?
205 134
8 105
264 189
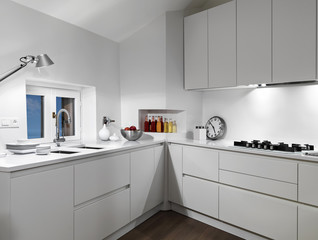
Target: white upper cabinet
254 48
294 40
196 51
222 45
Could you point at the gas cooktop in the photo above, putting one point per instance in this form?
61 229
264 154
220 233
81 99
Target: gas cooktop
281 146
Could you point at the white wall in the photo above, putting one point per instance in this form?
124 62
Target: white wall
143 71
287 114
80 57
151 71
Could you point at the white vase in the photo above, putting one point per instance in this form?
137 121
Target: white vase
104 133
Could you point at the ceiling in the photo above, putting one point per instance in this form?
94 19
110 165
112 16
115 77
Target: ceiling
113 19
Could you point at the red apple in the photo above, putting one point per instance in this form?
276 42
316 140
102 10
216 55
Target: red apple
133 128
127 129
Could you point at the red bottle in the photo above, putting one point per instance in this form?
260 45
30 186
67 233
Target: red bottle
162 125
153 124
146 125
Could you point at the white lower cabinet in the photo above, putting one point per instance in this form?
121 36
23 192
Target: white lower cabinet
308 177
147 171
307 223
200 195
42 205
100 219
175 173
267 216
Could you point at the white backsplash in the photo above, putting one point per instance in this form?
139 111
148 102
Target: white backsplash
286 113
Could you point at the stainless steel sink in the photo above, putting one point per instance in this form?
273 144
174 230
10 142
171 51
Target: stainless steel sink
88 147
63 152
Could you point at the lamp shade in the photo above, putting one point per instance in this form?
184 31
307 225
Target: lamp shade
43 60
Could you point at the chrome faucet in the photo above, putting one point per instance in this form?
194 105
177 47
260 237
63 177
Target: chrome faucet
57 139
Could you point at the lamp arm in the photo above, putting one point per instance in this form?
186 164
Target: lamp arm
12 71
25 60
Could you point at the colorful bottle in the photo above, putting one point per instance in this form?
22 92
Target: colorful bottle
165 128
170 126
162 125
159 125
146 124
149 124
153 124
174 127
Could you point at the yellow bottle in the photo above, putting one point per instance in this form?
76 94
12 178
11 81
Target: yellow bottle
165 126
170 126
158 125
174 127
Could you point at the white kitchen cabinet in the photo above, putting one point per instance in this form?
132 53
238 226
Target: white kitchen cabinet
260 166
157 188
42 205
200 195
98 177
222 45
267 216
294 40
196 51
100 219
147 170
307 223
307 186
175 173
254 40
201 162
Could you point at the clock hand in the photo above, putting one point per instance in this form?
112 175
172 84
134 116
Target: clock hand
213 128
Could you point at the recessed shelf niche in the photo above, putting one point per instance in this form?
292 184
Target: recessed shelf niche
178 115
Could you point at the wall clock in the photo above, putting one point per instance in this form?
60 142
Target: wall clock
215 128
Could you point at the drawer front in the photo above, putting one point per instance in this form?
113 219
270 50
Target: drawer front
267 167
201 162
201 195
308 178
267 216
100 219
307 223
98 177
258 184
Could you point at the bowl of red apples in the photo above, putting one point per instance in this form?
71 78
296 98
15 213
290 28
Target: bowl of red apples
131 133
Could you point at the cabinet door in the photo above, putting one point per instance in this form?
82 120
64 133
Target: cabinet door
307 188
307 223
98 177
254 58
294 40
222 45
102 218
268 216
200 195
42 205
157 186
175 173
142 173
196 51
201 162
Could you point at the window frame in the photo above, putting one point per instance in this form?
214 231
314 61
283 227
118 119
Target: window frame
50 94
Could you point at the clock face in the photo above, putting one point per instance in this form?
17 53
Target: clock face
215 127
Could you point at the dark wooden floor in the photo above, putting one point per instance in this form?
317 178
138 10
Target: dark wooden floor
170 225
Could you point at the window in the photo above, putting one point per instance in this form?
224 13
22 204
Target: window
43 105
35 116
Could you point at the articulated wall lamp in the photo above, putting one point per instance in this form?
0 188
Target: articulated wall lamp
41 60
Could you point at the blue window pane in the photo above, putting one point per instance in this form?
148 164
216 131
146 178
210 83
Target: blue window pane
68 104
35 116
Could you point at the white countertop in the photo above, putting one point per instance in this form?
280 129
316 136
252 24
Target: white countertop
229 146
16 162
